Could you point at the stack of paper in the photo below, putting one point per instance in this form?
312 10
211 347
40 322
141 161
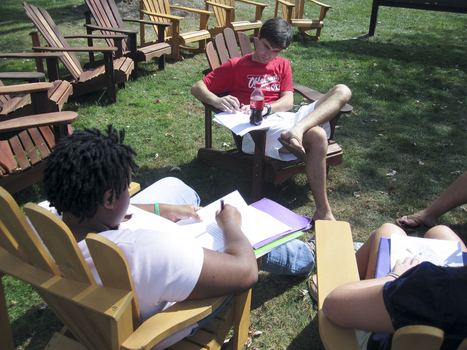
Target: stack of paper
265 223
239 122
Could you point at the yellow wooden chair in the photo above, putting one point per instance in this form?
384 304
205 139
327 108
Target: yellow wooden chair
293 12
336 265
224 11
98 317
160 11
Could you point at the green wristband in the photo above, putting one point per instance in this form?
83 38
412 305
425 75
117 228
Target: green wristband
156 209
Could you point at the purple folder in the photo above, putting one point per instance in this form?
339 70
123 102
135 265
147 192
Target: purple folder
295 221
383 262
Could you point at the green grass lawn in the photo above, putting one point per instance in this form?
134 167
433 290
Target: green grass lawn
410 111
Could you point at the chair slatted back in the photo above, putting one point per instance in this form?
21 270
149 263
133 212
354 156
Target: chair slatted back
60 243
224 18
113 269
50 32
158 6
25 239
100 318
106 14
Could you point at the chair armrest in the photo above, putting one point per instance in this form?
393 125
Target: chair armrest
319 3
26 76
335 265
225 7
201 12
254 3
286 3
313 95
145 21
29 55
99 36
77 49
134 188
24 88
171 17
167 322
38 120
109 29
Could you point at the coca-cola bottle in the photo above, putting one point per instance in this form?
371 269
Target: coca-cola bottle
256 105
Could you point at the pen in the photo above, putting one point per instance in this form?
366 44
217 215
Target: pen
222 204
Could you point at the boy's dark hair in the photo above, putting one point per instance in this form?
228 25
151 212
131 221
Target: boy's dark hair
278 32
83 166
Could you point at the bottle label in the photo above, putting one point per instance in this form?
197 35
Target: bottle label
257 104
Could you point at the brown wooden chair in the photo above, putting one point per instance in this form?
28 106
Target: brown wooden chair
99 76
17 100
336 265
109 21
224 11
160 11
260 167
25 143
97 317
293 12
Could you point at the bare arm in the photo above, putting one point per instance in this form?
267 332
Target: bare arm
233 271
173 212
360 305
226 103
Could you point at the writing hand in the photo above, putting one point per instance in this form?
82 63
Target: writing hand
228 104
228 215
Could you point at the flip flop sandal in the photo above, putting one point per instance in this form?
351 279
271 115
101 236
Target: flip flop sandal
420 224
297 152
313 287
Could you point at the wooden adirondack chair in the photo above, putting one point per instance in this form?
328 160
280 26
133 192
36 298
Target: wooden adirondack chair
260 167
160 11
224 11
293 12
336 265
26 141
98 317
112 72
109 21
18 100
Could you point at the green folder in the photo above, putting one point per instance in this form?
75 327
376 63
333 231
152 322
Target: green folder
268 247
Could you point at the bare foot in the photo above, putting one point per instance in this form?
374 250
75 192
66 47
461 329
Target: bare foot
295 140
417 220
326 216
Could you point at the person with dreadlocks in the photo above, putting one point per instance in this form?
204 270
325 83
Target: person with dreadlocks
86 181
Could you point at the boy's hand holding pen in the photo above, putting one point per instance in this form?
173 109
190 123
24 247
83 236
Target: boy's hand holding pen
228 214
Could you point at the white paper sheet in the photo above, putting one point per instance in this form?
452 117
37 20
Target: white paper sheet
239 122
256 224
437 251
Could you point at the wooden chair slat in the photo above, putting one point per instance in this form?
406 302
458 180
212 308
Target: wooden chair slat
18 151
29 147
60 243
7 158
39 141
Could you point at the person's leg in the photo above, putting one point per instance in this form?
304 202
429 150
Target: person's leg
291 258
316 144
326 108
169 190
454 196
368 253
444 232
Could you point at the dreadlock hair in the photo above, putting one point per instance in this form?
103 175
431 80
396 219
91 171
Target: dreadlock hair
83 166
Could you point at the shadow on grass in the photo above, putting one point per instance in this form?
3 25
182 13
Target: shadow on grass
35 327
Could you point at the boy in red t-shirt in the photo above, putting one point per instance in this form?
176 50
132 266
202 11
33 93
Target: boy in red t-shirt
303 133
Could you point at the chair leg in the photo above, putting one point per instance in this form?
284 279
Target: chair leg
5 329
259 137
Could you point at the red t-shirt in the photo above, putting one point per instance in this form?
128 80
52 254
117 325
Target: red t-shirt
238 76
